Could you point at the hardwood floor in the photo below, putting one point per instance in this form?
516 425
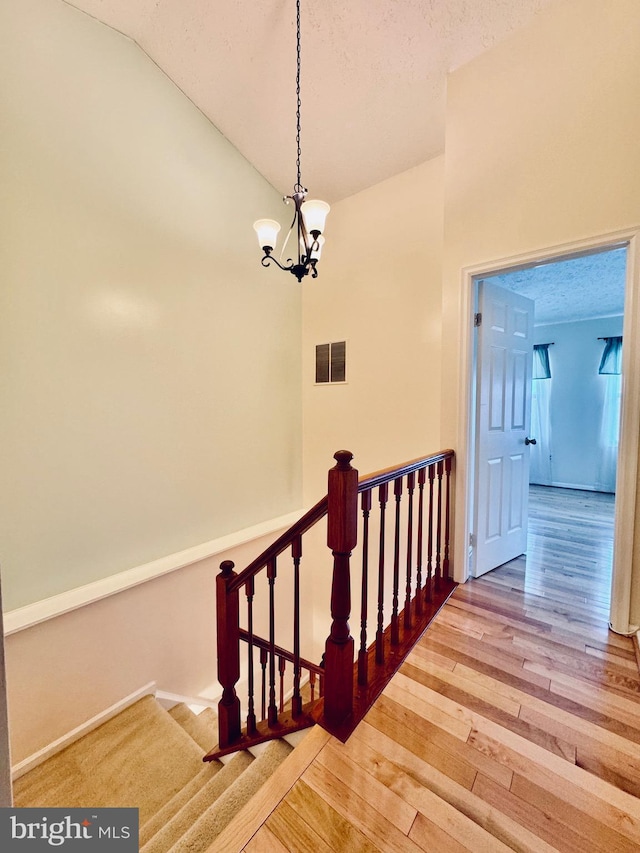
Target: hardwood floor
569 549
514 724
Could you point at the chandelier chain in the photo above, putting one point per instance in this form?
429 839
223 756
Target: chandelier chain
298 185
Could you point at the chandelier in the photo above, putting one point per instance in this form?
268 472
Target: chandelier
309 216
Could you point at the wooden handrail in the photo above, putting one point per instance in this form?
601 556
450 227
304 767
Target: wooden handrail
387 475
319 510
412 587
304 523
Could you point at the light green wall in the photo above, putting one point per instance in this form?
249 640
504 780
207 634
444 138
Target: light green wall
150 385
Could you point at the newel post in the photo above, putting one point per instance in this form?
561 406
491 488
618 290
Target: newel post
228 628
342 533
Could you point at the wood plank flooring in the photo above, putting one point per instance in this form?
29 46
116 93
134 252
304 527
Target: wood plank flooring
513 725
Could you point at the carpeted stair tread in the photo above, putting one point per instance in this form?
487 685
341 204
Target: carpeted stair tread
170 809
140 758
183 818
211 822
199 726
210 717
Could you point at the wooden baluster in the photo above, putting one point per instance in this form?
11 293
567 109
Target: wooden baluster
447 531
272 711
282 668
422 476
395 626
296 701
383 496
251 716
264 658
362 654
439 528
228 628
312 685
411 484
342 534
432 473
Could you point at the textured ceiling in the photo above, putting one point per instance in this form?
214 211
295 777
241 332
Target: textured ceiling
576 289
373 98
373 75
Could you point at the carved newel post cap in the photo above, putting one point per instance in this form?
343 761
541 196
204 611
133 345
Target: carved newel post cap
343 458
226 567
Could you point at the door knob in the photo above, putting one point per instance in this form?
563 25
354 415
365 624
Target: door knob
530 441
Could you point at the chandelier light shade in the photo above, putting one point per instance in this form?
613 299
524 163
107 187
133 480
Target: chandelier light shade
315 215
267 231
309 216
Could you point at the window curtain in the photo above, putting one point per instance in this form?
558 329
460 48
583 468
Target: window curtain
540 456
610 371
611 361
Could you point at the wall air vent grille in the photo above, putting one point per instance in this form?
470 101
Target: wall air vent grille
331 363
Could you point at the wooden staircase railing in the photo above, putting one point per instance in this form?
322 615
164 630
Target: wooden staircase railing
340 689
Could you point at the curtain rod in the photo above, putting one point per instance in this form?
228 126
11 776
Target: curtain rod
552 343
610 337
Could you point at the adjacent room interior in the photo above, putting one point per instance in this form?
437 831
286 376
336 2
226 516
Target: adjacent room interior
574 412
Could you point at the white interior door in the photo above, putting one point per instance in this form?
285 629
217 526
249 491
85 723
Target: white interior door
505 357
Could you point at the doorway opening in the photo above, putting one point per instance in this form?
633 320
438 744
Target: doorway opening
579 303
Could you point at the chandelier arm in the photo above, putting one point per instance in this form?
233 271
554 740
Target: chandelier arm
302 256
266 261
298 197
286 240
309 246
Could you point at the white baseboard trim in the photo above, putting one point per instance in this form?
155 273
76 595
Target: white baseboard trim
577 486
73 599
168 700
58 745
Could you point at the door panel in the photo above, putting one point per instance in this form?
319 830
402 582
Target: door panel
497 389
493 529
520 391
517 509
505 355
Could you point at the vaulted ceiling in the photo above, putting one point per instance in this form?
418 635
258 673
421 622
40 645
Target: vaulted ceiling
373 75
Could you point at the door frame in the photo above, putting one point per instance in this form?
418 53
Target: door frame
628 448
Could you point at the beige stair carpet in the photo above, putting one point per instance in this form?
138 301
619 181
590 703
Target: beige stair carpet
148 758
202 727
211 822
209 718
141 759
176 803
183 819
